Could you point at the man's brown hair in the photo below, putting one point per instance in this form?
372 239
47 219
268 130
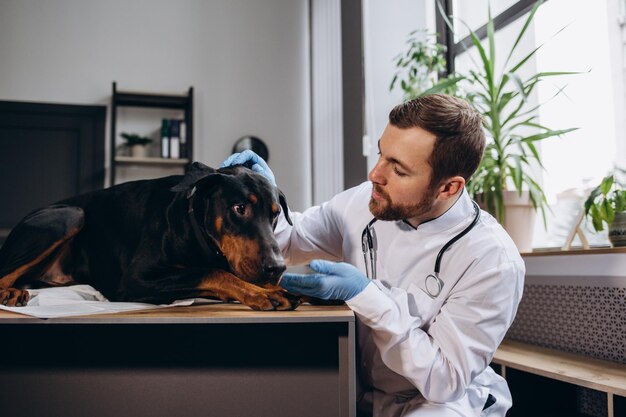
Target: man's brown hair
457 125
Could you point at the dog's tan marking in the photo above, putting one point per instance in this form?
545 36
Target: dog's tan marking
225 286
9 279
219 222
243 255
13 297
54 274
275 208
253 198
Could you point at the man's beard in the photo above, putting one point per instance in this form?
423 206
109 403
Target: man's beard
387 210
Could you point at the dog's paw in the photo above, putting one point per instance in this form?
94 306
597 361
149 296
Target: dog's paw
273 299
12 297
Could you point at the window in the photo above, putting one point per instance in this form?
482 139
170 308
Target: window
583 157
474 14
592 100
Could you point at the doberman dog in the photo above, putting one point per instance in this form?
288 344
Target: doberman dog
209 233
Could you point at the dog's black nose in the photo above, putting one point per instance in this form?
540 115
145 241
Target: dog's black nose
273 269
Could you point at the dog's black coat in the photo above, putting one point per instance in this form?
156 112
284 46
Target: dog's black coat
206 234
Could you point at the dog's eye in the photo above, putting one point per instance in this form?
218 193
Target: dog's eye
240 209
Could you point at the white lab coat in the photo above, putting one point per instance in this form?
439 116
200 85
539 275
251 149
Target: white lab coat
420 356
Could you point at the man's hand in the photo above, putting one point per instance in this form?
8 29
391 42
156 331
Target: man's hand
333 281
252 161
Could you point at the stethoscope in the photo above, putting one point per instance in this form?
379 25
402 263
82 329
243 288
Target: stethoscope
432 284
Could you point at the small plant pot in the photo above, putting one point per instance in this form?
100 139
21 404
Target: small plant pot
138 151
617 230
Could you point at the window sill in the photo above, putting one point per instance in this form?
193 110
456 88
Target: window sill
580 251
597 267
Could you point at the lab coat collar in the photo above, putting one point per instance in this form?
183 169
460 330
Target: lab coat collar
461 212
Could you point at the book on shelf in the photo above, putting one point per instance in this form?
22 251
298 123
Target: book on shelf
165 138
173 138
183 139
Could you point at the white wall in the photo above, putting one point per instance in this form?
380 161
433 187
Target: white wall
248 62
386 27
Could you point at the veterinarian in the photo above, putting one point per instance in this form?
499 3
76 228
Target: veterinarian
426 332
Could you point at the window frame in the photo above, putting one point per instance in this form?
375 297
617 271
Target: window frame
445 36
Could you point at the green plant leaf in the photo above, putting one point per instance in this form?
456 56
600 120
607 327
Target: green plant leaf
589 203
490 64
487 65
604 201
606 184
517 81
442 85
548 134
499 203
526 122
393 81
521 33
533 150
603 210
135 139
596 219
609 210
505 99
516 112
516 172
524 60
541 75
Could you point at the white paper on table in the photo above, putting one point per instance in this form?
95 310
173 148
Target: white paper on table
80 300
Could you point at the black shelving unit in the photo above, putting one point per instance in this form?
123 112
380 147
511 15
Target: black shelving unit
182 102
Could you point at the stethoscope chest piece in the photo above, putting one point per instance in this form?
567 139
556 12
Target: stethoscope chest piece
433 285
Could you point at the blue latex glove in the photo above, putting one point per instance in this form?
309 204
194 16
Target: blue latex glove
333 281
252 161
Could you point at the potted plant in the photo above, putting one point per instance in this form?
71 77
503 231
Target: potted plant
419 68
512 129
136 143
607 204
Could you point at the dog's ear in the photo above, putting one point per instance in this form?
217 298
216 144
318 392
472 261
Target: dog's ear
196 172
283 203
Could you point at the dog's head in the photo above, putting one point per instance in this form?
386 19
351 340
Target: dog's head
237 210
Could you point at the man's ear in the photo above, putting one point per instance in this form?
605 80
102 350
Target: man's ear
196 172
450 187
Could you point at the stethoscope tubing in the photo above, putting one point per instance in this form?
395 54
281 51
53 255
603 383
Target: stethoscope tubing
369 245
452 241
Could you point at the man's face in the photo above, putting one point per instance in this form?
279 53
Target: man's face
401 177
